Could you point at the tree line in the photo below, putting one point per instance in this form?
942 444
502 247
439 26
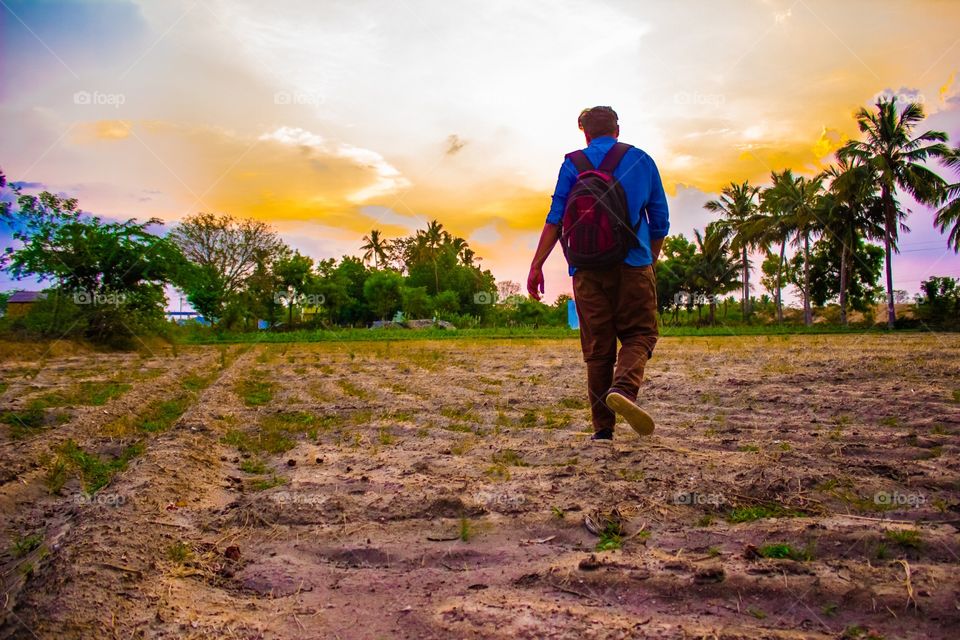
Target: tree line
830 219
109 278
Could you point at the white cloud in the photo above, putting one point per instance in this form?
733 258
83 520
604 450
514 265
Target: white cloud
388 178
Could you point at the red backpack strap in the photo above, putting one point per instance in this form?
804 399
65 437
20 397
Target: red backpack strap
580 161
613 157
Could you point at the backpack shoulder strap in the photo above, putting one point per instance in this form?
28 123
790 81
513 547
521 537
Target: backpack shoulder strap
580 161
613 157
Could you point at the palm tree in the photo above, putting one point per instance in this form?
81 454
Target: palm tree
804 201
375 247
949 213
737 204
850 210
428 243
895 157
775 225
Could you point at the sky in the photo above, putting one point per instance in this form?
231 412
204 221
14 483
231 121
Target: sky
329 119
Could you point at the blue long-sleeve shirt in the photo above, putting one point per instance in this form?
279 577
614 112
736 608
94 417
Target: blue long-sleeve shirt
646 200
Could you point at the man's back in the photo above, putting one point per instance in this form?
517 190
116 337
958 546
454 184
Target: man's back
646 201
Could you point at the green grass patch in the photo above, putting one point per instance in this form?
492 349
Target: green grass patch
856 632
255 393
573 403
277 432
262 484
759 512
465 414
253 466
89 393
905 538
179 552
498 472
22 545
160 415
610 538
23 423
196 382
95 472
353 390
202 336
782 550
508 457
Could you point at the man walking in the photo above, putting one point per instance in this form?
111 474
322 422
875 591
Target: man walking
609 214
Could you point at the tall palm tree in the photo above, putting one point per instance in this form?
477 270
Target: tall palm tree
428 242
850 210
376 247
896 158
949 212
716 265
775 225
805 200
738 204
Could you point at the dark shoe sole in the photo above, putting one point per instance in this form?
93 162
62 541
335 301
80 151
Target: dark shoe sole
637 418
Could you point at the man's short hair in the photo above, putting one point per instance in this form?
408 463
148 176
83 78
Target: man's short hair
598 121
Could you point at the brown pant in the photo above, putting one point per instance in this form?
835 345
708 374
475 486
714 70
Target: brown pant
619 303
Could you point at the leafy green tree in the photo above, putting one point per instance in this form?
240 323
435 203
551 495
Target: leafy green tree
223 252
115 271
897 159
674 271
382 291
865 265
295 276
446 303
715 266
939 301
416 302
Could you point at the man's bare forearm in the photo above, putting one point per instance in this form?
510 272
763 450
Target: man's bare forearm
548 238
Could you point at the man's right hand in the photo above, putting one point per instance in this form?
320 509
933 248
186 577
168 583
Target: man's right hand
535 282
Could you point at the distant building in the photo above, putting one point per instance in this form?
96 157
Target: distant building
183 317
20 302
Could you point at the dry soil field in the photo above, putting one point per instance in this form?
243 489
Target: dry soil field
796 487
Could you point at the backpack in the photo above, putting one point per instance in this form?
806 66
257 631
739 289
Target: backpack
595 231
